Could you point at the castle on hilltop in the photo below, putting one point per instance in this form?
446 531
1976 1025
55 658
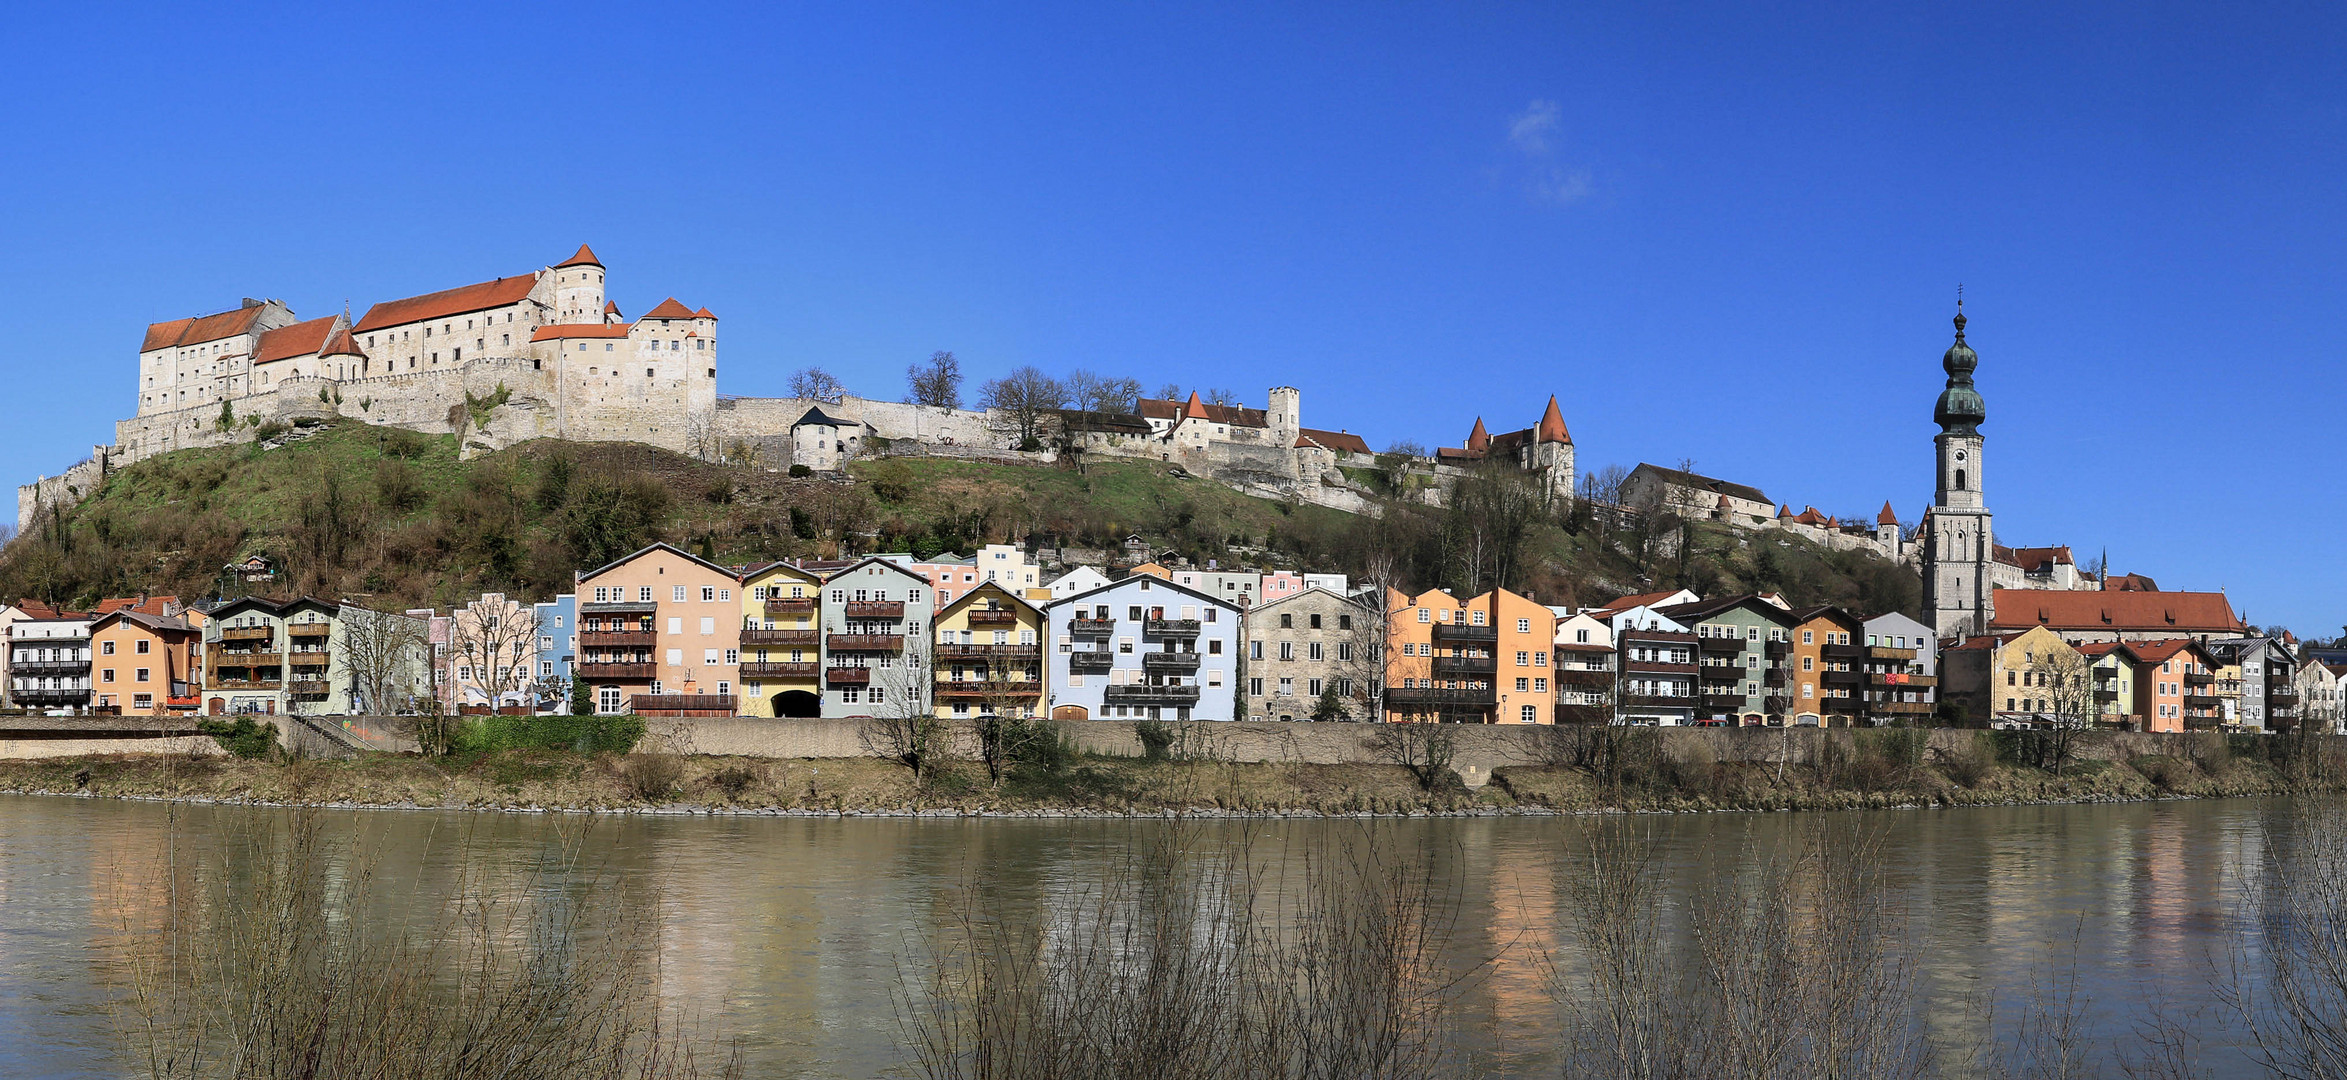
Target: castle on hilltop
546 354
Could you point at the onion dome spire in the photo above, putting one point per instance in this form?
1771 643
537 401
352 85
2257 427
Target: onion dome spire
1961 409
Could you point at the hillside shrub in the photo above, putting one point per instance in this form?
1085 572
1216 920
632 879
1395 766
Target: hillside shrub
244 736
1969 762
581 734
1156 738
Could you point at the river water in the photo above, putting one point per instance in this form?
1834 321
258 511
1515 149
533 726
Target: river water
790 931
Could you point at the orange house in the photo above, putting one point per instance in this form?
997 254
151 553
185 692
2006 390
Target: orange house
145 664
2174 688
1480 661
1826 680
660 632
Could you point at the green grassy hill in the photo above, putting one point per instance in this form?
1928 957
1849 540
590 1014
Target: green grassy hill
393 518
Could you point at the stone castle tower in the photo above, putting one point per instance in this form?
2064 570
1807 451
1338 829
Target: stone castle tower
1958 542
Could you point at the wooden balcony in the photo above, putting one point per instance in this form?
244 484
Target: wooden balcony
1722 673
311 630
1777 650
1438 696
1728 702
247 633
787 639
2199 678
245 684
1576 676
888 643
307 659
1657 701
1466 665
1842 652
1900 708
308 688
1720 646
958 651
49 667
591 609
1454 632
593 670
52 696
848 676
617 639
973 690
875 609
993 617
2202 701
1839 678
1885 652
1883 678
1142 694
685 704
1657 667
754 669
780 607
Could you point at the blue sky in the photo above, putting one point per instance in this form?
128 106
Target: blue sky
1730 234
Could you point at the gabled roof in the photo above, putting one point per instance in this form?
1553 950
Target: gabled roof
1340 441
585 257
202 328
1645 599
1829 611
1984 641
2156 652
1700 610
650 548
341 343
2033 559
779 568
1155 583
300 339
1684 478
154 623
560 331
703 312
669 309
2180 612
37 609
1235 416
2129 583
1302 593
987 590
457 301
157 606
875 560
820 418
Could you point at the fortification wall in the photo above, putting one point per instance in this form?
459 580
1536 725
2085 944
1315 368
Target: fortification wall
64 489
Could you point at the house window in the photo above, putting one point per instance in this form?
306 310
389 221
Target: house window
708 593
105 648
1523 626
677 593
1255 687
1254 650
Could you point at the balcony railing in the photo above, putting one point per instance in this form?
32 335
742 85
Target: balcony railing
876 609
246 633
993 617
1179 661
1884 678
618 607
1465 665
970 690
1657 701
308 688
709 704
1169 626
1720 646
1900 708
848 676
1081 625
2101 694
1842 652
1585 676
1777 650
308 630
1658 667
1723 701
867 643
1438 695
1839 678
51 696
959 650
247 684
2199 678
2283 695
1722 673
307 659
50 667
616 639
790 605
1144 694
593 670
752 669
1091 660
1885 652
2202 700
788 639
1455 632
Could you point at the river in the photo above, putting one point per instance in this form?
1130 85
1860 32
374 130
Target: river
789 931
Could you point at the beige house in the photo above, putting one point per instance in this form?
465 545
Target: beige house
1301 649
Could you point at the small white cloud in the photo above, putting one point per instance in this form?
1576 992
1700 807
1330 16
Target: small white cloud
1536 129
1559 185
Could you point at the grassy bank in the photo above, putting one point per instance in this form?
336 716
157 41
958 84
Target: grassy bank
606 781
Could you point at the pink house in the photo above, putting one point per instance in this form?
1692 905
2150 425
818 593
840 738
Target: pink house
1281 584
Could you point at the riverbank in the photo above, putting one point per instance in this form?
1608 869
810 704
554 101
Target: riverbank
533 779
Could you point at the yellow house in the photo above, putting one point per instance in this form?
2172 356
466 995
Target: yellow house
782 651
989 655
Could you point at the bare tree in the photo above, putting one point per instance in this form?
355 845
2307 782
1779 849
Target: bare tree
495 638
1095 394
2063 680
1228 399
1171 392
936 383
1022 404
1425 749
1373 627
902 727
816 384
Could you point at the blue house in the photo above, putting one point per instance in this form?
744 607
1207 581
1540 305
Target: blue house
558 650
1143 648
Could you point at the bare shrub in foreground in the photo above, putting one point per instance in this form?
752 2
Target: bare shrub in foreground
278 957
1183 967
2290 992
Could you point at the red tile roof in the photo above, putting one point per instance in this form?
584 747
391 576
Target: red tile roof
2129 583
1982 642
42 610
670 309
200 329
585 257
1339 441
1552 424
341 344
1887 517
145 605
1639 600
703 312
1235 416
1479 440
300 339
2153 652
457 301
580 330
1195 409
2181 612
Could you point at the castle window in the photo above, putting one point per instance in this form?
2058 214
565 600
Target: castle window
457 354
647 373
427 331
1959 479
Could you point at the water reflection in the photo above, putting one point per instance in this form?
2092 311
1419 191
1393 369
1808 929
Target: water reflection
790 931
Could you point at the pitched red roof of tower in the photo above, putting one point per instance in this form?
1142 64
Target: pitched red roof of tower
340 343
2180 612
580 330
610 307
1479 440
1194 409
200 329
669 309
1785 511
703 312
1552 424
585 257
447 302
300 339
1886 517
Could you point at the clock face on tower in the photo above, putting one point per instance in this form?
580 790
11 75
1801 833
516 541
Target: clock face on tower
1959 455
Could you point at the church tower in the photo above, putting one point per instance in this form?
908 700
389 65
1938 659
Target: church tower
1958 542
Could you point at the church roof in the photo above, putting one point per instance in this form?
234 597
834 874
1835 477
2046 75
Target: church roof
2179 612
201 328
300 339
585 257
461 300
